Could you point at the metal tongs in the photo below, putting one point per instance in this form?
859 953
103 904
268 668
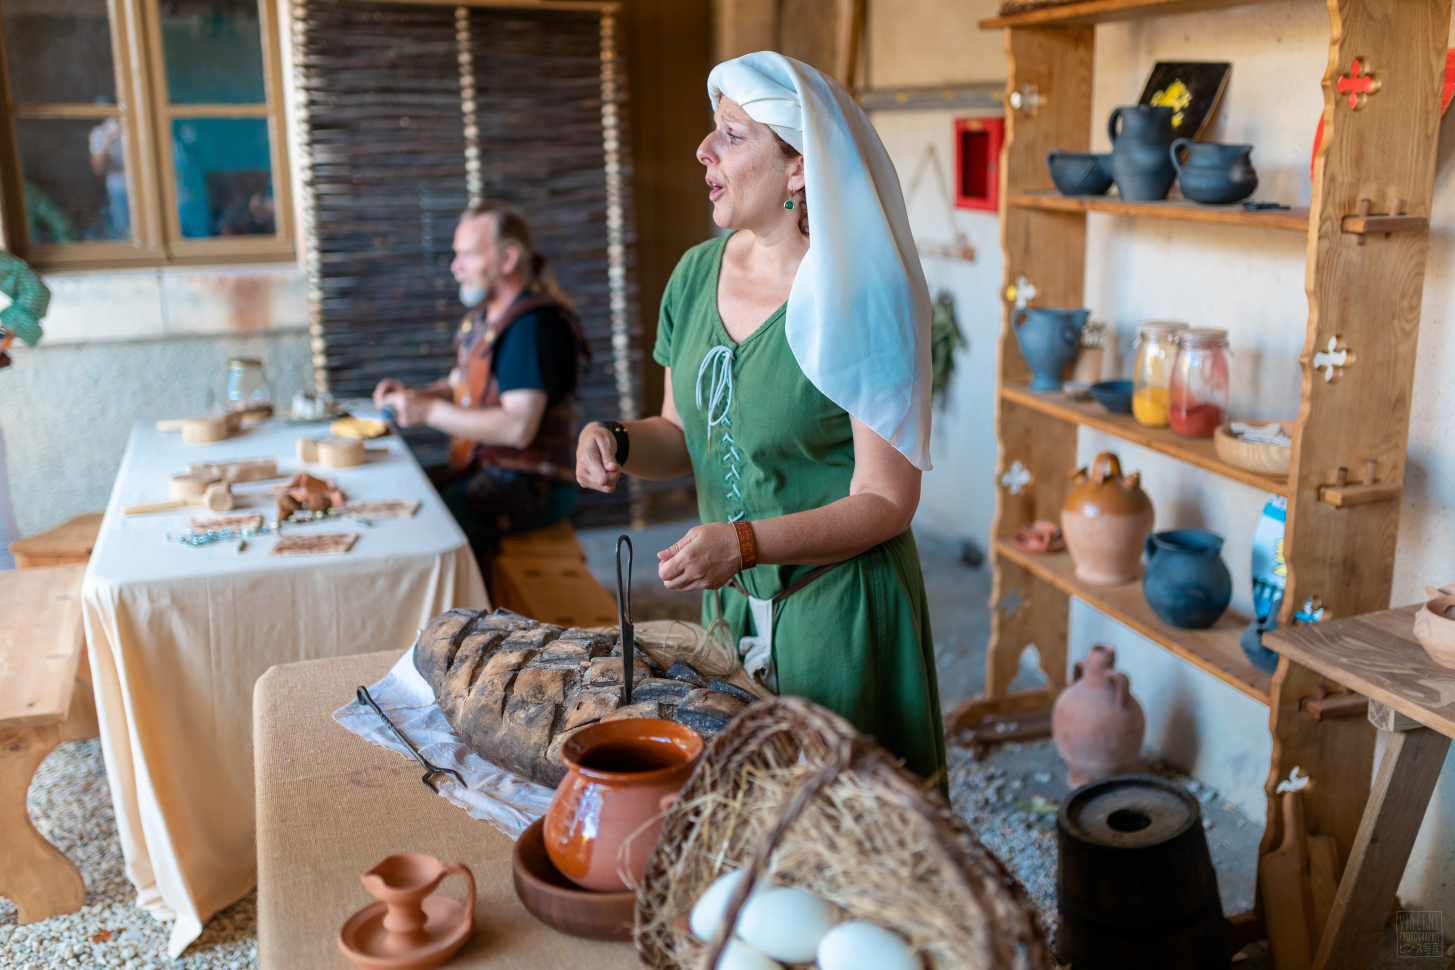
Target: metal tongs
624 619
429 769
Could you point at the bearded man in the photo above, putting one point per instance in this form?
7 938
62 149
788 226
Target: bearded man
509 405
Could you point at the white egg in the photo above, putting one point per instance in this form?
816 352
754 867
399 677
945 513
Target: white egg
786 923
857 945
737 955
707 912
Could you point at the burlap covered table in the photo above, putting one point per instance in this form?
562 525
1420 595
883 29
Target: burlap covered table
178 636
330 805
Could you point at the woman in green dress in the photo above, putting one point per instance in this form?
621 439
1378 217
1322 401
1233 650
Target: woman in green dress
797 392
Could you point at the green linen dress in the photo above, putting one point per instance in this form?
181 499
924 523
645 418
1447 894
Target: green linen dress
856 640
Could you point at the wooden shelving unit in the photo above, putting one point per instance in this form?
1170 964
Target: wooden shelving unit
1364 292
1179 210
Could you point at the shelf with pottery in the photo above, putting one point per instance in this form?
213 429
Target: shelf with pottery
1181 210
1108 11
1214 650
1195 451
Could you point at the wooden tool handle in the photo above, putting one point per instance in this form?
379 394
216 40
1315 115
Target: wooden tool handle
158 506
175 424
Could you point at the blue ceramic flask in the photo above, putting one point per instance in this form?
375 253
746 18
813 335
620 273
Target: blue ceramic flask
1141 165
1049 339
1213 173
1187 583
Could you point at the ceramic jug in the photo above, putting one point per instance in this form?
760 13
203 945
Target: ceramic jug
602 823
1105 520
1096 722
1141 164
1187 583
1048 339
1213 173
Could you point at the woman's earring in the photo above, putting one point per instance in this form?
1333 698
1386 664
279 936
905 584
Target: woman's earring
788 204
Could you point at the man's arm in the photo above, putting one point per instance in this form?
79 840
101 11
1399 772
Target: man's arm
513 424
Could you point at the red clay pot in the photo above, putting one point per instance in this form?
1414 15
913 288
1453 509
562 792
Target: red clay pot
602 824
1097 723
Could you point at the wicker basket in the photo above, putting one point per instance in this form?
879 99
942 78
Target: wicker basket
792 790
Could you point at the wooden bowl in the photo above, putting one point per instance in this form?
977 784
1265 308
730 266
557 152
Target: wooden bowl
1253 457
1434 627
560 903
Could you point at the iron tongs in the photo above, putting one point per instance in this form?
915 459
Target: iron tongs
429 769
624 619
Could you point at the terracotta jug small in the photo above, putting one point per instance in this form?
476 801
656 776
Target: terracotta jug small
1105 520
408 928
602 824
1096 722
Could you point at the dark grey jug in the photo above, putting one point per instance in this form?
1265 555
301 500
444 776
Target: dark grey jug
1214 173
1141 165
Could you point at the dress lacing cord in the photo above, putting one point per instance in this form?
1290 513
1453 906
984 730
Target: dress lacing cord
717 372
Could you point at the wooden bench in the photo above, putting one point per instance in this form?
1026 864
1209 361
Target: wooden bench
41 643
543 575
70 542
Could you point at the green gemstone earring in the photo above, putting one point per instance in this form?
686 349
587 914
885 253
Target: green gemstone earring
788 204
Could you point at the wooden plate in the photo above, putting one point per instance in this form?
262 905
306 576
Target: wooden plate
1252 457
560 903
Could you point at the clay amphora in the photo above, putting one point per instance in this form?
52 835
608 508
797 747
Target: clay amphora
602 824
408 929
1213 173
1097 723
1187 583
1141 164
1105 520
1048 339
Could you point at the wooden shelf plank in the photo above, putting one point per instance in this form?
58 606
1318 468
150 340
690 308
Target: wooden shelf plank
1106 11
1180 210
1194 451
1214 650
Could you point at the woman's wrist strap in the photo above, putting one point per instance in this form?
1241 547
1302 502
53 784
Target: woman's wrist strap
747 543
623 440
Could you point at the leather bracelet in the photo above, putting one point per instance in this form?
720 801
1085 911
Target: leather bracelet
747 543
623 440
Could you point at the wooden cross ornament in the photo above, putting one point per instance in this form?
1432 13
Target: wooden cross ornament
1016 477
1358 84
1333 360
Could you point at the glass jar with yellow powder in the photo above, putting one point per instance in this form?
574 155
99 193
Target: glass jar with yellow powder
1152 374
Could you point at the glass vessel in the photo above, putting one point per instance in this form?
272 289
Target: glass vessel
247 389
1152 374
1198 397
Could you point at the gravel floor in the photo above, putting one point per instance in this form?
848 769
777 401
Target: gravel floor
70 803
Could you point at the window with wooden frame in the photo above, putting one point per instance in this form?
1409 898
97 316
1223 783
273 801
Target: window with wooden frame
142 133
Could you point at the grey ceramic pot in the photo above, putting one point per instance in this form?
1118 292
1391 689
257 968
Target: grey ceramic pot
1141 164
1080 173
1214 173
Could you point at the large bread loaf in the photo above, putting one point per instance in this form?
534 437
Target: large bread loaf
515 689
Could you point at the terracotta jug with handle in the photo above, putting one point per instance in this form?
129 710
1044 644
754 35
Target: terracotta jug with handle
1096 722
1105 520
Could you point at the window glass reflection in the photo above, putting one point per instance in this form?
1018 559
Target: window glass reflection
75 179
59 51
224 177
213 51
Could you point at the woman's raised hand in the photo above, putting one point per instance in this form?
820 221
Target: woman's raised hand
705 558
596 465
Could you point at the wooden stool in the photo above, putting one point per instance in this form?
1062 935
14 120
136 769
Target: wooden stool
41 642
543 575
69 542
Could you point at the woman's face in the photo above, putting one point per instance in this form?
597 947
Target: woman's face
747 176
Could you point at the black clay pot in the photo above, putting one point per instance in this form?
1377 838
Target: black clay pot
1141 164
1080 173
1187 583
1214 173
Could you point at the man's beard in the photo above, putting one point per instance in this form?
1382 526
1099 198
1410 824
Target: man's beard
473 294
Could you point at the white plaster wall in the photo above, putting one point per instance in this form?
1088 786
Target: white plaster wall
137 345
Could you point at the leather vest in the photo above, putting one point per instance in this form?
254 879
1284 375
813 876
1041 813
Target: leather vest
553 450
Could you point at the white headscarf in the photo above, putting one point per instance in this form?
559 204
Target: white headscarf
859 311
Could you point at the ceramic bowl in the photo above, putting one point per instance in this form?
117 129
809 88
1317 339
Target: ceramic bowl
1115 396
1038 537
1435 625
1080 173
1252 456
560 903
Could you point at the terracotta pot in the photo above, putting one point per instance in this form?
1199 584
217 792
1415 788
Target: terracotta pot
408 929
602 824
1105 520
1435 625
1097 723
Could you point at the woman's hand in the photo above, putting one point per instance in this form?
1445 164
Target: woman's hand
705 558
596 465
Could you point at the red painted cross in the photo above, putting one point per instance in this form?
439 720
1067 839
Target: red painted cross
1358 84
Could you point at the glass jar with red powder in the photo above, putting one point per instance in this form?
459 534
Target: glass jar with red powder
1198 397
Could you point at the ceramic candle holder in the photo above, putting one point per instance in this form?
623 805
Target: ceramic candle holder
408 928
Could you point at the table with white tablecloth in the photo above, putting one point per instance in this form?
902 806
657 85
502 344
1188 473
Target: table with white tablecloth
178 635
